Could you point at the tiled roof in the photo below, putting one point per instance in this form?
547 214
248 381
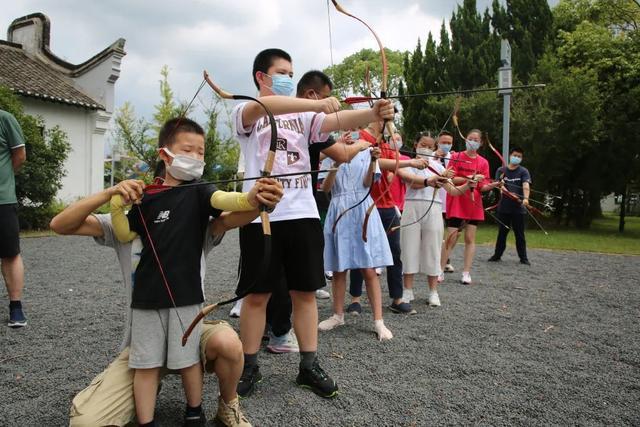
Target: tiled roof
27 76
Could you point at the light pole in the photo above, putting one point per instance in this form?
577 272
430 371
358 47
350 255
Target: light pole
504 81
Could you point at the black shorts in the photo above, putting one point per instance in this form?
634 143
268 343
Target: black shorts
297 248
457 222
9 231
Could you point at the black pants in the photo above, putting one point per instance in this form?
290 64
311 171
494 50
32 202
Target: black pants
279 310
389 219
517 223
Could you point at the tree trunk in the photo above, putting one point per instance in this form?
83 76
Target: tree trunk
623 208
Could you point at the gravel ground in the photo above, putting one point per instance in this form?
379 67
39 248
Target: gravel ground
555 343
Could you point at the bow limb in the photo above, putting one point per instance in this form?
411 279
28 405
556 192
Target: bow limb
383 95
386 124
264 213
455 119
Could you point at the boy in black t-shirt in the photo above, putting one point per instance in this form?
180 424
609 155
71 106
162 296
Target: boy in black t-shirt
167 283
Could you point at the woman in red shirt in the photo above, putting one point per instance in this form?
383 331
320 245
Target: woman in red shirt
467 211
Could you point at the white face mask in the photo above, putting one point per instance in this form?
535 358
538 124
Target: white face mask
183 167
395 144
424 150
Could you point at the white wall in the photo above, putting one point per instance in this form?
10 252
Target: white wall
85 130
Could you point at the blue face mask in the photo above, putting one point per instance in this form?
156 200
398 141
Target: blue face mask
515 160
445 148
281 84
472 145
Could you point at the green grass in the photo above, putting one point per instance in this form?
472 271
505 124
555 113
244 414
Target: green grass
602 237
25 234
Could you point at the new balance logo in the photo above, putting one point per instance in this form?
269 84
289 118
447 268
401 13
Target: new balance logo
162 217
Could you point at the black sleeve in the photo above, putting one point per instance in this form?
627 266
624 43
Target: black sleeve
323 145
204 195
134 219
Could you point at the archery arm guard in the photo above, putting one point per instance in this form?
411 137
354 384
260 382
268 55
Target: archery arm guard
119 220
231 201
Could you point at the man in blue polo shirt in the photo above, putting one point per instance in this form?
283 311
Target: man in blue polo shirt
517 180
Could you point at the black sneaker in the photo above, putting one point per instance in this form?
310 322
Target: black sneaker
317 380
195 421
17 318
525 262
250 377
402 308
494 258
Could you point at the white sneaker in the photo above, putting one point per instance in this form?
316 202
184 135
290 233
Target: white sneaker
466 278
449 268
237 308
434 299
378 271
288 343
322 294
332 322
407 295
441 278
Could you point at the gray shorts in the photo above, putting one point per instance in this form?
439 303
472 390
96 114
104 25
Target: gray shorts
156 338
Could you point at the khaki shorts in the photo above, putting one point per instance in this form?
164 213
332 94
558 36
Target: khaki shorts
108 400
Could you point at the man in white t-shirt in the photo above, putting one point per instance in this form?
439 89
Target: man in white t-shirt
297 239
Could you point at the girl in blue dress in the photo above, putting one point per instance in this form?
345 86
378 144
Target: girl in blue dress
345 249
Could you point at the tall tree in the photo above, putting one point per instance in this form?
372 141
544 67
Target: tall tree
528 25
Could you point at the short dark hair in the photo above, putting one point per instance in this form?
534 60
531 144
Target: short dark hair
315 80
167 134
264 60
516 149
445 133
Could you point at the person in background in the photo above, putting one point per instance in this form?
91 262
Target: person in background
466 212
517 180
12 155
422 225
388 213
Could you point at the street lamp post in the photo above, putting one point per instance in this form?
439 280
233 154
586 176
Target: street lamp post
504 81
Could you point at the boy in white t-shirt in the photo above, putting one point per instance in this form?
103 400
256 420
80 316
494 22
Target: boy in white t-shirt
297 239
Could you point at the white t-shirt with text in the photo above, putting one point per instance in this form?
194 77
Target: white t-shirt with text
295 133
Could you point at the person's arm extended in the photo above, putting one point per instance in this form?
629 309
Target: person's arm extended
231 201
344 153
415 181
252 112
454 190
18 157
230 220
390 164
77 219
266 191
352 119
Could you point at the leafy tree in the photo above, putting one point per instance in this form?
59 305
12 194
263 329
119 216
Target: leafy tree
528 25
348 77
139 137
40 177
